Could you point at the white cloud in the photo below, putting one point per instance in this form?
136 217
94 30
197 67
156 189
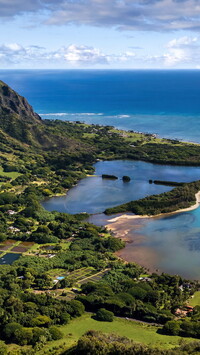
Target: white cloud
182 41
83 54
13 47
175 56
180 53
145 15
73 55
182 50
14 53
10 51
177 53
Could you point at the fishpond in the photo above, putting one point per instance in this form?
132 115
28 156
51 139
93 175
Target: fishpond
94 194
9 258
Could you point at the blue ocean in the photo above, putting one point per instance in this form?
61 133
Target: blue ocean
166 102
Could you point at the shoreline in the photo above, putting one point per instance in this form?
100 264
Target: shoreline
127 216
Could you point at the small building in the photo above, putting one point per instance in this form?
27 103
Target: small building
13 229
55 281
183 312
50 256
11 212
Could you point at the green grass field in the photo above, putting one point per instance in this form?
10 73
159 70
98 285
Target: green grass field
12 174
138 332
195 300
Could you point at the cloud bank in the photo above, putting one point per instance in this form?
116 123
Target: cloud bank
178 52
82 55
144 15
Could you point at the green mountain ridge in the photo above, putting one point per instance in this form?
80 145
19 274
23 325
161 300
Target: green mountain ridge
17 118
21 126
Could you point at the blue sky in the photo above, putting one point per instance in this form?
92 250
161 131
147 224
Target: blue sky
105 34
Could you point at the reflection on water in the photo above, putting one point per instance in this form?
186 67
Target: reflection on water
94 194
166 244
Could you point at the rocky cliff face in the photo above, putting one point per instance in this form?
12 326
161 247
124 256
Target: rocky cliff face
17 118
12 103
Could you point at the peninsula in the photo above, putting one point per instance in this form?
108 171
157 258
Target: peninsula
180 199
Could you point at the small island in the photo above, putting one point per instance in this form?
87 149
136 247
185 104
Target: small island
126 178
111 177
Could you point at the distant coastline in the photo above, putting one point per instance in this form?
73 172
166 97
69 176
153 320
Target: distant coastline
151 104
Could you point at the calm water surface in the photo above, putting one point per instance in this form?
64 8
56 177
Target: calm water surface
166 244
176 242
9 258
94 194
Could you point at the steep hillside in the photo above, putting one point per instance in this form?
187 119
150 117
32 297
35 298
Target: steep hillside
18 121
17 117
13 104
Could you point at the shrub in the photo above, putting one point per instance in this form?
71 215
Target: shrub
41 321
104 315
172 328
55 332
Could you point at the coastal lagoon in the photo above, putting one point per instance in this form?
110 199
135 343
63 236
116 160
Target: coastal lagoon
94 194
